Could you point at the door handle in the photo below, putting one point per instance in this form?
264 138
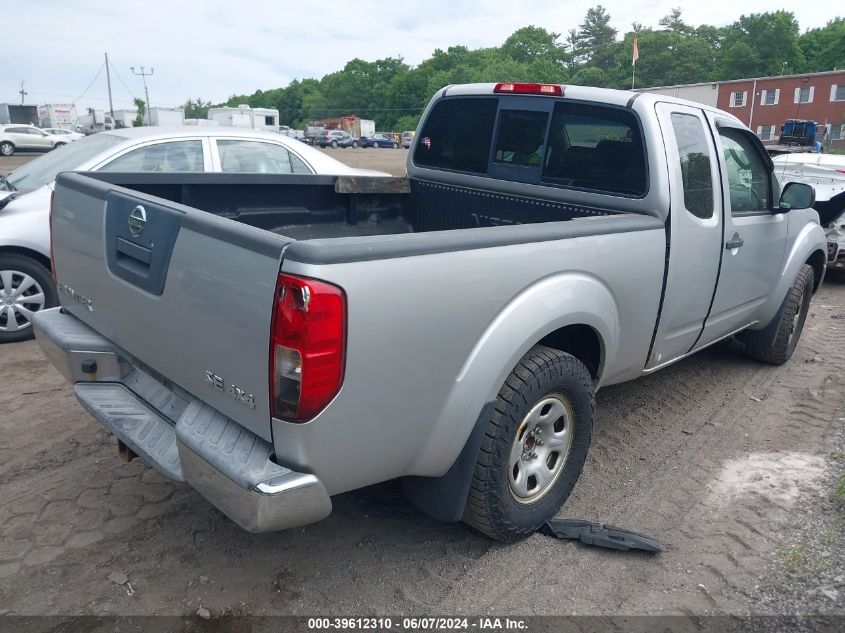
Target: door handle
735 242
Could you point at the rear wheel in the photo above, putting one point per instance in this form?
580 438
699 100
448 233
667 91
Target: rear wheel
25 288
396 146
534 446
792 316
7 149
334 144
354 144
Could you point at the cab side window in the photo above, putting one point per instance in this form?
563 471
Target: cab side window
748 174
694 157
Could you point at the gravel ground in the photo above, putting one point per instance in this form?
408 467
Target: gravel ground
733 464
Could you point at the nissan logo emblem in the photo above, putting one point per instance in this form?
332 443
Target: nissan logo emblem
137 220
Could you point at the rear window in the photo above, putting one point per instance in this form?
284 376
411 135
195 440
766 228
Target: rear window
584 146
457 135
597 148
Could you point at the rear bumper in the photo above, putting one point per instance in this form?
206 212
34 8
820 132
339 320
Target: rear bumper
180 436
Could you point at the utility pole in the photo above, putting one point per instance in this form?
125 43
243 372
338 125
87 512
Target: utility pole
108 82
144 76
22 93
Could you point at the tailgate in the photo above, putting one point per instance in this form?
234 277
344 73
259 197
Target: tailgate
186 293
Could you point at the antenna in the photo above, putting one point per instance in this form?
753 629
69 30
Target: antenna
22 92
144 76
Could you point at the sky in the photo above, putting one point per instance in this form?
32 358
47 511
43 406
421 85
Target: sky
212 49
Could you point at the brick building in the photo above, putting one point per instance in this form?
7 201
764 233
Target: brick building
765 103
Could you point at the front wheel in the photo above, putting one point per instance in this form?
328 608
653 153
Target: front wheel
396 146
7 149
354 144
25 288
58 145
791 318
334 144
534 446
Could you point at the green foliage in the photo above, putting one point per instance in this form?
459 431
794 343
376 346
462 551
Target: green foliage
395 94
142 112
196 109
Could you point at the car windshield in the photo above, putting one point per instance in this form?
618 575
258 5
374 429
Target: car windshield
37 173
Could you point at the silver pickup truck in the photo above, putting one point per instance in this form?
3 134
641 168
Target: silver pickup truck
276 340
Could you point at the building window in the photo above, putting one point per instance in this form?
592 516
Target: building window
738 99
766 132
837 93
804 95
837 132
770 97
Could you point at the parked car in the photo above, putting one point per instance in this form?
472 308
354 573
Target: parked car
454 337
25 193
380 139
337 138
63 133
407 138
14 138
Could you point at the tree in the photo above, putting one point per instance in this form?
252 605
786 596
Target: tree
758 45
673 21
531 43
824 48
596 38
142 112
196 109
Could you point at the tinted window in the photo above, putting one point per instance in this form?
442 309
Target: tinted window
597 148
457 135
173 156
748 175
520 138
694 157
258 158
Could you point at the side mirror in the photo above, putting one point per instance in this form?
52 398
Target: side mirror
797 195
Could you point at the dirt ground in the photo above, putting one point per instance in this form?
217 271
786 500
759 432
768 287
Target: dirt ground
729 462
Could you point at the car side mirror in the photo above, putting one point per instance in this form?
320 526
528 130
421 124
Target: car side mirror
797 195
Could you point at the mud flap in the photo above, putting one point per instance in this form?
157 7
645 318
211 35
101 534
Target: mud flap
600 535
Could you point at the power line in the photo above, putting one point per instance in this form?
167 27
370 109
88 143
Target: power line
132 94
91 84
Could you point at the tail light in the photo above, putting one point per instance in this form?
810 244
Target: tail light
52 252
308 341
529 89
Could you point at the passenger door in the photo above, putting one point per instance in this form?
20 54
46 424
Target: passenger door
695 231
755 232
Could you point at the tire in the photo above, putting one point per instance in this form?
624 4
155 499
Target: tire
58 145
16 311
792 315
354 144
334 144
396 146
7 149
551 391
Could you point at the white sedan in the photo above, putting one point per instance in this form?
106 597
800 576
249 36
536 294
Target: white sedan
25 281
60 132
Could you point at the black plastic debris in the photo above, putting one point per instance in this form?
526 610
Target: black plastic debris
600 535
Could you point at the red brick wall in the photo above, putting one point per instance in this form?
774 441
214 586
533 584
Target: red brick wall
821 109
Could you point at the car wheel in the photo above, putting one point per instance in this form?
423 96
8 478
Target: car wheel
396 146
334 144
791 318
534 447
354 144
58 145
7 149
25 288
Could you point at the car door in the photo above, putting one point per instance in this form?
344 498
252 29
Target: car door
42 140
695 231
755 231
21 138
